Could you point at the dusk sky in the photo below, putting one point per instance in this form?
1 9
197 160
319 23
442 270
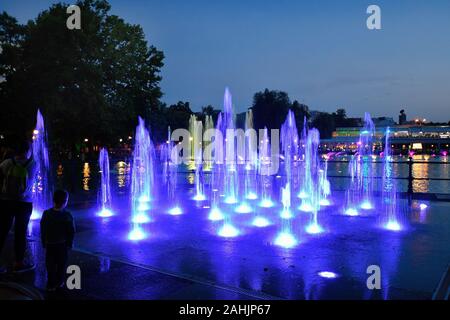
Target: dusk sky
320 52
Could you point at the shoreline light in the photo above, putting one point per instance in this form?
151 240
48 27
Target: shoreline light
137 234
228 231
286 240
105 213
260 222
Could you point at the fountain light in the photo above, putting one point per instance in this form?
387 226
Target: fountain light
266 203
143 206
260 222
228 231
105 213
243 208
231 200
303 195
393 226
136 234
35 215
286 214
314 228
215 215
324 202
141 217
144 198
252 196
199 197
366 205
423 206
306 207
176 211
327 274
351 212
285 240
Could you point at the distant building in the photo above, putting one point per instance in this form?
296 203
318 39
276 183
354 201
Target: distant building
403 139
402 117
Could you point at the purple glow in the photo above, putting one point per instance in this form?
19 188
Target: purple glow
243 208
252 196
230 200
285 240
351 212
228 231
141 217
260 222
314 228
136 234
216 215
366 205
176 211
266 203
306 207
105 213
393 226
327 274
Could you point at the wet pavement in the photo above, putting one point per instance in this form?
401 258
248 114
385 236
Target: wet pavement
183 258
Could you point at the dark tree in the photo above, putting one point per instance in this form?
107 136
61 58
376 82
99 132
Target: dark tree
178 115
301 111
325 123
92 82
270 108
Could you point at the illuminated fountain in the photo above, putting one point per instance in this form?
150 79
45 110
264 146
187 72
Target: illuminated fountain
365 174
196 129
360 192
104 195
230 179
41 186
251 165
170 174
390 203
142 180
312 181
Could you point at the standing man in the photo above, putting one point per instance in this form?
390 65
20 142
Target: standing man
16 181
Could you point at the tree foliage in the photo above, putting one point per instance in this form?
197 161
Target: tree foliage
92 82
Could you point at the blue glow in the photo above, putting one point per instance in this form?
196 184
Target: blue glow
144 198
216 215
423 206
141 217
286 214
136 234
266 203
303 195
393 226
143 206
260 222
306 207
285 240
324 202
243 208
327 274
228 231
176 211
230 200
366 205
199 197
351 212
35 215
314 228
252 196
105 213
